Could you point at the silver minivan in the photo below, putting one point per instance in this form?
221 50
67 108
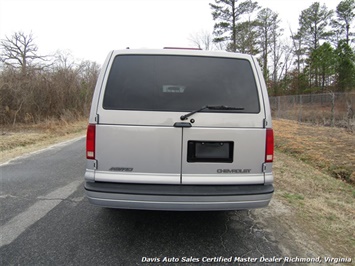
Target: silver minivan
179 129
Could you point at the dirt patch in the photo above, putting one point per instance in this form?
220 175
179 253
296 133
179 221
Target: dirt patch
20 139
278 220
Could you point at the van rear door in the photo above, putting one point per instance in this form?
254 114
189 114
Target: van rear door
135 142
226 146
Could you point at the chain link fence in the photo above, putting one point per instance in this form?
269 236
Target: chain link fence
327 109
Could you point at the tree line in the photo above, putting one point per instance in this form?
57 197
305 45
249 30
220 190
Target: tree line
34 88
318 57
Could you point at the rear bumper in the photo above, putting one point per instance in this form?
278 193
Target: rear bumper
178 197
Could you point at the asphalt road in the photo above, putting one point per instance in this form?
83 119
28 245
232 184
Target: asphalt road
46 220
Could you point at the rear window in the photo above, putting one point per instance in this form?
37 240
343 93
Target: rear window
180 83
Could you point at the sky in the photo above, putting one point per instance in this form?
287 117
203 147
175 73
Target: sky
89 29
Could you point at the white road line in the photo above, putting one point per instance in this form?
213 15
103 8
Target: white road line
57 145
17 225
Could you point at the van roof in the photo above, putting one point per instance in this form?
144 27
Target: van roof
189 52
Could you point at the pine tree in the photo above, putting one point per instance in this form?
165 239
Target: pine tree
313 23
345 12
323 62
313 29
227 13
345 67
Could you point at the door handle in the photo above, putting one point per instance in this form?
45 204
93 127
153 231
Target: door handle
182 124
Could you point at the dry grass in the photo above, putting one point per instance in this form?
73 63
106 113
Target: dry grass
324 207
19 139
331 150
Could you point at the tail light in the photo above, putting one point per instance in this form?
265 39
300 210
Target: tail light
90 141
269 150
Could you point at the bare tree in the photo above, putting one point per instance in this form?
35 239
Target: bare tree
287 53
19 51
202 39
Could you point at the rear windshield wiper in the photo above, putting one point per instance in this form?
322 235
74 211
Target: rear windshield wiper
211 107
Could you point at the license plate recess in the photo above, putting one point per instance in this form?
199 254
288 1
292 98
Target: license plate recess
210 151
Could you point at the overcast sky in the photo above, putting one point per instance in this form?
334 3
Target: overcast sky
91 28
